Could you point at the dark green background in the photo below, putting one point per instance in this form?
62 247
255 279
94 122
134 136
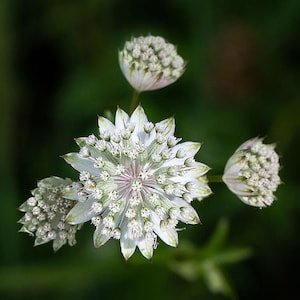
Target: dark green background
59 69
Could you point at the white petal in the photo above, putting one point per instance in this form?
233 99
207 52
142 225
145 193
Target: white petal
150 138
163 81
39 241
105 125
193 174
124 65
237 186
127 245
141 80
188 214
81 163
235 163
99 238
57 244
54 181
200 190
138 118
248 144
188 148
168 235
121 119
168 126
70 193
253 201
81 142
81 212
199 169
146 248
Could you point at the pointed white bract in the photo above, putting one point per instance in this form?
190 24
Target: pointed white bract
252 173
136 182
45 214
150 63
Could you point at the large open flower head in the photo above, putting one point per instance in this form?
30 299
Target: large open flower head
252 173
150 63
45 214
136 182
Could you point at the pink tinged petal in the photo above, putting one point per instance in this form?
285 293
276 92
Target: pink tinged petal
81 212
121 119
138 118
99 238
105 125
152 81
81 163
237 186
127 245
146 247
160 82
235 163
163 81
252 200
248 144
141 80
124 65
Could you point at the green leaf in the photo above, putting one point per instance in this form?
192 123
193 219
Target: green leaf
232 255
219 236
216 281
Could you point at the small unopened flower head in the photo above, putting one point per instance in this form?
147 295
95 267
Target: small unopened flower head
136 182
45 214
150 63
252 173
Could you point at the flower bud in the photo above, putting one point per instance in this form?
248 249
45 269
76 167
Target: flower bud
45 214
150 63
252 173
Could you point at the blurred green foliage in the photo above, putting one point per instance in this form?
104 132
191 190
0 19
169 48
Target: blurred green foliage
59 69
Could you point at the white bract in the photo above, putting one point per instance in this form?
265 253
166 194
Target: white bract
150 63
45 214
252 173
136 182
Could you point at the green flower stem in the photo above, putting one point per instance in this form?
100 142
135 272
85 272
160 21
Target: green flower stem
215 178
134 100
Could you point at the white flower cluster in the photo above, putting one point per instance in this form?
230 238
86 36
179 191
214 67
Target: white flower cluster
45 214
252 173
150 63
136 179
136 182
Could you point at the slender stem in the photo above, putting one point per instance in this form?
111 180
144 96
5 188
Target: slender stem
134 100
215 178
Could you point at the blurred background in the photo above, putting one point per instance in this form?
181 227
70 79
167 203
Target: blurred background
59 70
